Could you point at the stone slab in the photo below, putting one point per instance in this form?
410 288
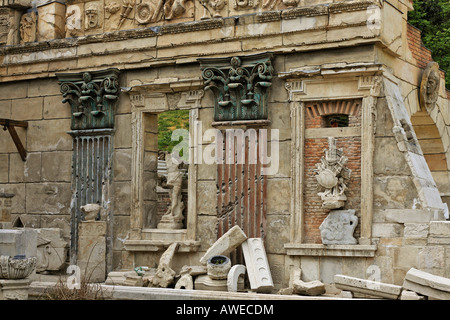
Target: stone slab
225 244
258 269
427 284
368 287
311 288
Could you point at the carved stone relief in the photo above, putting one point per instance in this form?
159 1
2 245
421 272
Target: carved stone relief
332 174
338 227
215 5
92 19
429 87
28 27
73 21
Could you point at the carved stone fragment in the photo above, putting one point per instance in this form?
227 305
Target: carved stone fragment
236 272
28 27
164 274
332 174
257 265
429 87
338 227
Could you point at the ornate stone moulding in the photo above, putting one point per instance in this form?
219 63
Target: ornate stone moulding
16 267
240 85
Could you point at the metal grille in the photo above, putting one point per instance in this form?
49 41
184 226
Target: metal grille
91 174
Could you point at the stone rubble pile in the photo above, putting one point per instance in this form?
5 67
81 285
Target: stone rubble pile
215 271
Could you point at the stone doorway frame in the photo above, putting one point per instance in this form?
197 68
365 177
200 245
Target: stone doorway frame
151 99
362 84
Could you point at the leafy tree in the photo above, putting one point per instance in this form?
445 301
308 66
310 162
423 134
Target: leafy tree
432 17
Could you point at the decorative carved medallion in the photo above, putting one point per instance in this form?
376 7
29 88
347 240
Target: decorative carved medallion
240 86
429 87
92 96
332 174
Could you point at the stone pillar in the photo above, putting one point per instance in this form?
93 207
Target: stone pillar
92 250
5 210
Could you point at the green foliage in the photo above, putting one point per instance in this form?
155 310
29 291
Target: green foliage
167 123
432 17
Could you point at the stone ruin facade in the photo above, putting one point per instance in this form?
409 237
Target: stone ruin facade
339 163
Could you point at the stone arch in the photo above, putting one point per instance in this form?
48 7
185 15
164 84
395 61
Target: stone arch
433 137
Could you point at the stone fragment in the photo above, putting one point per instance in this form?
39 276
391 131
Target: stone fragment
164 273
204 282
367 287
186 281
92 250
225 244
133 280
14 289
218 267
311 288
286 291
427 284
258 270
236 272
117 277
338 227
410 295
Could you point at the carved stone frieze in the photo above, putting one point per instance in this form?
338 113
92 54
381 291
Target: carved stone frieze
240 86
332 174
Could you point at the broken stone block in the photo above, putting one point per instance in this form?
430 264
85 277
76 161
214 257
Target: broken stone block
133 280
368 287
235 273
258 270
164 274
117 277
311 288
204 282
427 284
225 244
410 295
186 281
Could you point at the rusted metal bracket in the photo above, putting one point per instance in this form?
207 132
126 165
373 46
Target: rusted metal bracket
10 126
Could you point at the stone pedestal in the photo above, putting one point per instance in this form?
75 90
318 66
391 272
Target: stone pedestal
169 222
14 289
92 250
